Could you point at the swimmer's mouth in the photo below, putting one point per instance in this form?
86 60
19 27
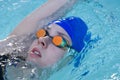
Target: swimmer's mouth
36 52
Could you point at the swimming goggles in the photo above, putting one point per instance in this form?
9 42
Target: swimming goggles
57 40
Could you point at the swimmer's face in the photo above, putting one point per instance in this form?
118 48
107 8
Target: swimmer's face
43 52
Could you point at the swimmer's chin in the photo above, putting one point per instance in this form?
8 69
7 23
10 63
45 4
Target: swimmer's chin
43 66
39 65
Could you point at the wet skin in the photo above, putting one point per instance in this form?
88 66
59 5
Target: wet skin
43 52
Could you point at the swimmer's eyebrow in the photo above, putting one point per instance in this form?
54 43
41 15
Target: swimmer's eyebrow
59 33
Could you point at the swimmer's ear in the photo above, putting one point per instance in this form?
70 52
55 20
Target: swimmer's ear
65 61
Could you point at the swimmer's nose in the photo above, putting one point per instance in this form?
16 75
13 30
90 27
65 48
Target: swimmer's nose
44 42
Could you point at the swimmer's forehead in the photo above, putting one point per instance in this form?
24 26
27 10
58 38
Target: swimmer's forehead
55 29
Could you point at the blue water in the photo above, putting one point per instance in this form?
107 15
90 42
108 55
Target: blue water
101 60
13 11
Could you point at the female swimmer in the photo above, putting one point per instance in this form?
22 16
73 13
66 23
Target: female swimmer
53 41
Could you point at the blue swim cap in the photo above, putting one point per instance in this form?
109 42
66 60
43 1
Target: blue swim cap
76 29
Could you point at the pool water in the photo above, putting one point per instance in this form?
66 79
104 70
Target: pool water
101 58
13 11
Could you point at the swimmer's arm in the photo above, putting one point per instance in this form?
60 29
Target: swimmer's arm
31 22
